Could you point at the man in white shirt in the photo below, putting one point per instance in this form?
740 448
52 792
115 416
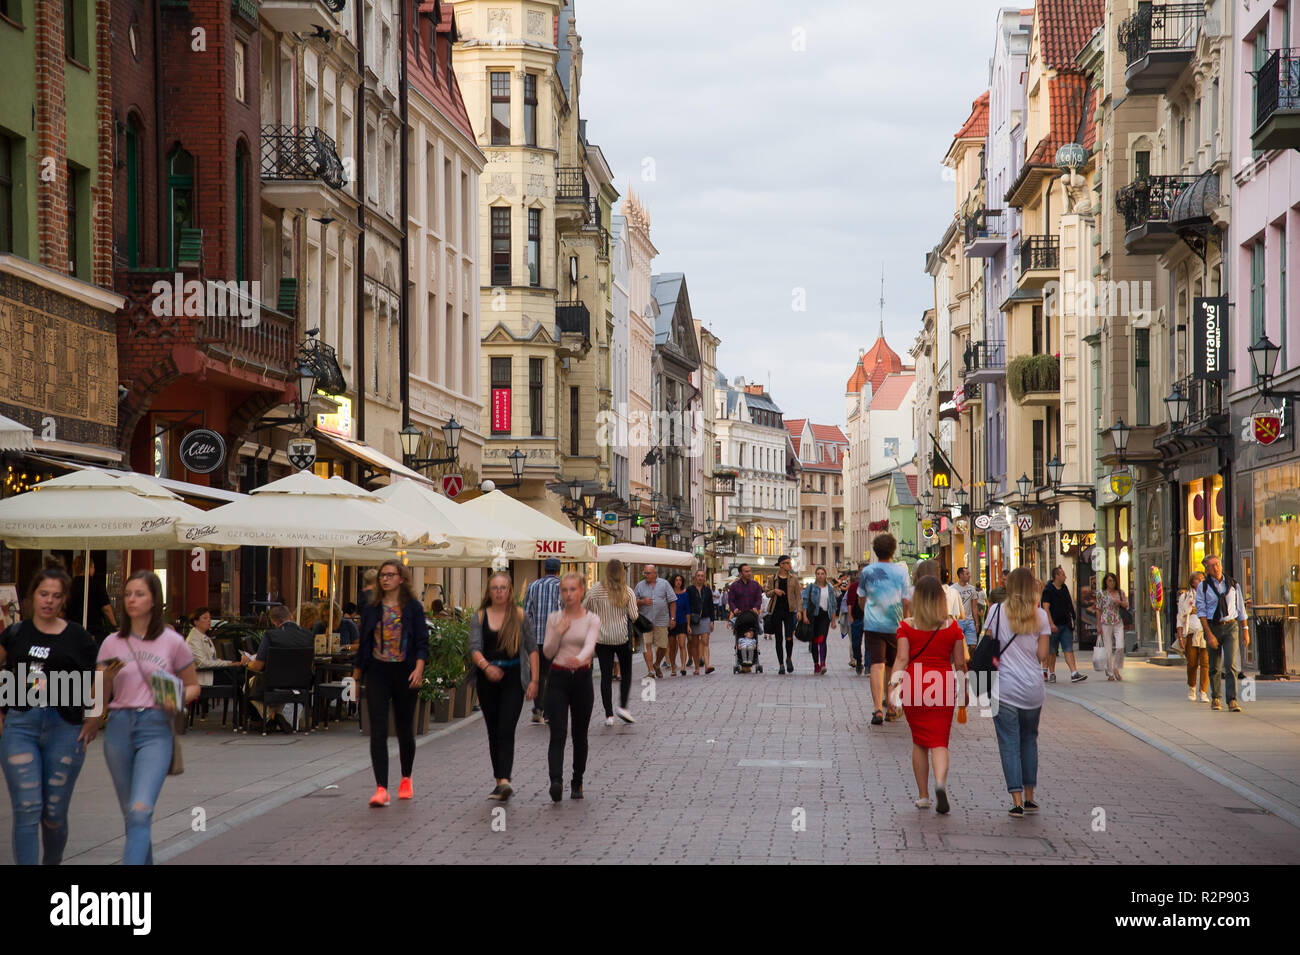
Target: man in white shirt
973 602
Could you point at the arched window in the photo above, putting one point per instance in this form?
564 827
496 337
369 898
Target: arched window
241 211
180 198
771 542
134 189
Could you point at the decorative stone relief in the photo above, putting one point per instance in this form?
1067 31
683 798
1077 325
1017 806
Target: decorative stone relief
537 184
536 23
503 184
499 20
535 159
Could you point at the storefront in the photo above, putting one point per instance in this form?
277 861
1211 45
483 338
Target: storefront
1274 565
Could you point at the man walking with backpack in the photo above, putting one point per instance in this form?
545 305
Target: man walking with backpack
1223 614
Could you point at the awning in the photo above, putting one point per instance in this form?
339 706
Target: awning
86 452
640 554
373 457
15 436
184 488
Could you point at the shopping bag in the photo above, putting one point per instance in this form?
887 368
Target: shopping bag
1100 657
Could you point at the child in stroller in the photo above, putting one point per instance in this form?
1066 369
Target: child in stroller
745 629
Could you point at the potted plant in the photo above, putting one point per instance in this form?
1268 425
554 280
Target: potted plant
447 666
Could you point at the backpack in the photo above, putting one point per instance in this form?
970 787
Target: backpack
984 658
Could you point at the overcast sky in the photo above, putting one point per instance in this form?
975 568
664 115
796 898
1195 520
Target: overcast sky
777 170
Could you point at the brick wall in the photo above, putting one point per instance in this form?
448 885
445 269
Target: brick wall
51 139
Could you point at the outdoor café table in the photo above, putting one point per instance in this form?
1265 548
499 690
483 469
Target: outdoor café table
327 668
237 679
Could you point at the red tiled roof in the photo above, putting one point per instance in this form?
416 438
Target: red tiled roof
977 124
911 483
829 433
1069 94
1065 26
1089 136
892 392
880 361
431 82
795 427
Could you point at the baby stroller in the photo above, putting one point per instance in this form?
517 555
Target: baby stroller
745 629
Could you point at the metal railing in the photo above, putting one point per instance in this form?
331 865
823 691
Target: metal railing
1277 84
1170 26
1150 199
573 318
977 225
1039 252
980 356
570 184
300 153
1205 397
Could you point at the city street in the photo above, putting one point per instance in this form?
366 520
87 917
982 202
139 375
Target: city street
699 779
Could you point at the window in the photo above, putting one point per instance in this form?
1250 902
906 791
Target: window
535 394
500 246
1142 375
1142 164
500 109
501 395
1040 446
534 247
241 55
241 213
74 31
7 195
134 191
1257 272
72 219
574 418
1281 275
1037 329
1258 54
530 109
12 9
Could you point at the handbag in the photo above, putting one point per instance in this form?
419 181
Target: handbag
984 658
1100 658
177 765
643 624
803 631
1126 615
769 623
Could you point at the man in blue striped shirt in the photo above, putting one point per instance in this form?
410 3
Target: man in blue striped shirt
541 600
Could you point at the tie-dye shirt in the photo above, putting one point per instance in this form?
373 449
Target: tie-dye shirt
388 636
883 588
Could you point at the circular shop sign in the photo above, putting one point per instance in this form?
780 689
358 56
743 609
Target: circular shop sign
202 451
982 521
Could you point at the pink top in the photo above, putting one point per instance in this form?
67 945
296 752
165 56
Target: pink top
168 652
578 642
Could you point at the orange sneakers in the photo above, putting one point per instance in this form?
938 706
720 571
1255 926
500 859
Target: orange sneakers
405 790
380 798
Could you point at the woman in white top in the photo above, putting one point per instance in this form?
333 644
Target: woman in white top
1022 630
614 602
1191 637
204 650
570 643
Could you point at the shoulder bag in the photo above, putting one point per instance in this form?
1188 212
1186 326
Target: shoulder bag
177 765
984 658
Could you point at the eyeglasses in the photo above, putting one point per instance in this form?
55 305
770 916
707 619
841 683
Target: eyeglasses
390 574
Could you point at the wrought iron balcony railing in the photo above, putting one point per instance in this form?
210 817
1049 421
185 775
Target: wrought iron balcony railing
1039 252
300 153
1206 401
1277 84
983 356
570 184
573 318
1149 200
1160 28
983 224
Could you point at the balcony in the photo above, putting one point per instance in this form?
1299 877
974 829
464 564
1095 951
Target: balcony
1277 102
570 184
1034 380
572 328
300 167
985 236
1206 411
983 361
1040 259
301 16
1158 44
1145 205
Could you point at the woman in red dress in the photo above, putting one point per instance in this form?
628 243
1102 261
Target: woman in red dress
930 647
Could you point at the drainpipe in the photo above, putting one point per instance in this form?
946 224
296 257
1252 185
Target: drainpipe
359 154
404 328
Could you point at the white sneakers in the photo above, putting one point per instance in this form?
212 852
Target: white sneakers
623 714
609 721
1191 693
1205 697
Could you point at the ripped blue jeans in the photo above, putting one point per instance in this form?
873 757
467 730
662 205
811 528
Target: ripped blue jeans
42 759
138 750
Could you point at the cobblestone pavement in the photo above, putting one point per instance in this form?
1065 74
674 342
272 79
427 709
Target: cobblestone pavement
671 789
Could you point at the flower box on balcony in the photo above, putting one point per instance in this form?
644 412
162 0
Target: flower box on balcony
1030 375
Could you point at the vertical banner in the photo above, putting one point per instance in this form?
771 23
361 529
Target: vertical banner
500 410
1209 338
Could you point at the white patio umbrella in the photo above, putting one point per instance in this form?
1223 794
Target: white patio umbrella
94 509
641 554
546 537
306 511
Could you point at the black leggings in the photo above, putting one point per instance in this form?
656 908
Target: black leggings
605 653
784 634
385 683
501 704
569 691
821 626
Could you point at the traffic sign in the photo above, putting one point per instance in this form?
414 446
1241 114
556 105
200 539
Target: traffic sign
452 484
653 528
1025 522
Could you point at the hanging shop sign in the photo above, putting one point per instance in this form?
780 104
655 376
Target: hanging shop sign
301 452
340 422
501 410
982 522
999 524
1263 427
1209 337
452 484
1074 543
609 517
927 530
1121 482
202 451
939 468
1025 522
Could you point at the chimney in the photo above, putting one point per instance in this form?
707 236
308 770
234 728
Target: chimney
753 389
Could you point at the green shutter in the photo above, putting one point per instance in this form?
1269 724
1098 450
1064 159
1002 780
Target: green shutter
287 301
190 252
132 198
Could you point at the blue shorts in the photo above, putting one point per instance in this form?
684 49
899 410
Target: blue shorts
968 628
1062 641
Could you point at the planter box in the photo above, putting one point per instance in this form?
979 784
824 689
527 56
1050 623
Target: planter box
442 711
464 700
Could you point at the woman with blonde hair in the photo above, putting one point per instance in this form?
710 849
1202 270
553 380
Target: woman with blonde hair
501 645
614 602
1022 630
570 643
934 646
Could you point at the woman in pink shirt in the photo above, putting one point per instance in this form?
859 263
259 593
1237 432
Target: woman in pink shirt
571 634
138 738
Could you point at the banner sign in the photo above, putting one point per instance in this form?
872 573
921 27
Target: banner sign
1074 542
500 410
1209 338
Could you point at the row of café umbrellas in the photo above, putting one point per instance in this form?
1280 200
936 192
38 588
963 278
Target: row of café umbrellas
94 509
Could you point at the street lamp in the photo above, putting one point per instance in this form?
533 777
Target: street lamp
575 493
1022 485
1119 432
411 435
1263 357
306 385
1054 470
708 525
672 514
961 498
1179 406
